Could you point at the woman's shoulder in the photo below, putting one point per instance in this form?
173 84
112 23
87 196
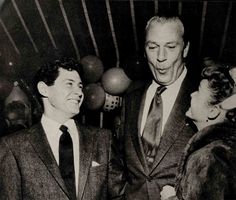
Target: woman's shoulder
216 156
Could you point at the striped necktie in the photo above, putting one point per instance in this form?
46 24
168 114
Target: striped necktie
153 127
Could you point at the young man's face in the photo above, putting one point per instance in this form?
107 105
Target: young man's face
165 51
65 96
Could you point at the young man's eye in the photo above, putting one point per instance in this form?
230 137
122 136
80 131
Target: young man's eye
69 83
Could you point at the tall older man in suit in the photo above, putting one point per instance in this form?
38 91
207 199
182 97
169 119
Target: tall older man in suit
154 127
57 158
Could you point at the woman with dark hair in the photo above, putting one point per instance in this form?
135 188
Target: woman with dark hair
207 169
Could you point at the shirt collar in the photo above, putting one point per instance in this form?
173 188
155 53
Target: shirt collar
52 126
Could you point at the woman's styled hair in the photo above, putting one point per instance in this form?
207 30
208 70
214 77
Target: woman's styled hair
221 85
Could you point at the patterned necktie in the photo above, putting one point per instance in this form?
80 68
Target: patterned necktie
153 127
66 161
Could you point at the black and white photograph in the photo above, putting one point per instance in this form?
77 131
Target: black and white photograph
117 100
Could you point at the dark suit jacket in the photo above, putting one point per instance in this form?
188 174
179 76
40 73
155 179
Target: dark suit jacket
144 183
28 169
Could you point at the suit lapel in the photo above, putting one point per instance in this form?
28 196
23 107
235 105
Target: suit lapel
176 121
137 106
86 141
38 140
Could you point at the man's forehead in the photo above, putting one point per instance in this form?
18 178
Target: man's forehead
165 29
67 74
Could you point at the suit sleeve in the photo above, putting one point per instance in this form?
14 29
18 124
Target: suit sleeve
206 177
10 185
116 175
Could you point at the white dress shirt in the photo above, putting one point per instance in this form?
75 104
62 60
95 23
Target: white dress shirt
168 99
53 134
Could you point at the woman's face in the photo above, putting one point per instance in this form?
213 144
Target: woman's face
199 109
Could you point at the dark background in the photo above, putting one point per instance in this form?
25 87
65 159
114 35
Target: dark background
33 32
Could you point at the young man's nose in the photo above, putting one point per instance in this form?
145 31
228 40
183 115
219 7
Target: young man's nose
78 90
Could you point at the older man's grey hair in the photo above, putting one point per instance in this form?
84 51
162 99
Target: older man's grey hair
163 20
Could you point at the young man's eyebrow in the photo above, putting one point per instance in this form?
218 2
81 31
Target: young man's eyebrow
68 79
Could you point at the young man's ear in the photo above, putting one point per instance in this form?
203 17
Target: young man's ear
214 112
42 88
186 49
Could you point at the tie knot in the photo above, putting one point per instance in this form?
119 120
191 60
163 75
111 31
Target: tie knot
160 89
63 128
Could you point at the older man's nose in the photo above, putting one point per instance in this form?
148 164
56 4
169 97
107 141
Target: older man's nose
161 55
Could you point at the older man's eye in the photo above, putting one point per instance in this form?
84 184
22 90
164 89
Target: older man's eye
151 47
171 47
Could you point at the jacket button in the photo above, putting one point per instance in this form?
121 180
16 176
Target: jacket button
149 178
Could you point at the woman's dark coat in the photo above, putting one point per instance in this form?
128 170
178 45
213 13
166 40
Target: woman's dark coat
208 167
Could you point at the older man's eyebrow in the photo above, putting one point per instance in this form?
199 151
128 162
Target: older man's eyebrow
150 42
167 43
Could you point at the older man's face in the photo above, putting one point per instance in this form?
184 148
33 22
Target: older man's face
165 51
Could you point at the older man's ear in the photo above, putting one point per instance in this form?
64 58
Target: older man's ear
186 49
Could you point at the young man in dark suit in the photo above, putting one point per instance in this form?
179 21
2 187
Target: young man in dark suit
57 158
154 129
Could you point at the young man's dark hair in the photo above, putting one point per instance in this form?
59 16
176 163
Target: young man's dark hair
49 72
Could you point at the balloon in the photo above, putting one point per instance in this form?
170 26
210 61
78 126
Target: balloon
5 88
94 96
115 81
111 102
92 68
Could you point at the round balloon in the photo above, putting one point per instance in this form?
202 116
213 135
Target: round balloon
5 88
115 81
94 96
112 102
92 68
